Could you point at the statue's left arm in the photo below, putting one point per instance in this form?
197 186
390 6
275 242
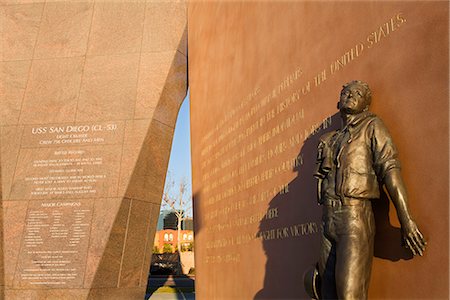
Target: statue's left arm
387 167
412 237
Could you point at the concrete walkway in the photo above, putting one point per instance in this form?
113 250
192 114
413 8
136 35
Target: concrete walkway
171 296
171 288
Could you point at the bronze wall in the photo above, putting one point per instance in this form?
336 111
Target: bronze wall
265 79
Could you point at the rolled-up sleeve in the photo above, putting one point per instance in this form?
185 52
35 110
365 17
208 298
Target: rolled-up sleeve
385 155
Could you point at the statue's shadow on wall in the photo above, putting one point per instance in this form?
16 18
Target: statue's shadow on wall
289 258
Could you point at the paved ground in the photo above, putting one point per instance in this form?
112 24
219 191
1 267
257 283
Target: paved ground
173 281
171 296
171 288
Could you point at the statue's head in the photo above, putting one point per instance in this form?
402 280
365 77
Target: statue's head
355 97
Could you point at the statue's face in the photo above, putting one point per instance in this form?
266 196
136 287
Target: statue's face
353 99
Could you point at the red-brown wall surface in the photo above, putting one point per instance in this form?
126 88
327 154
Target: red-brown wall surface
264 83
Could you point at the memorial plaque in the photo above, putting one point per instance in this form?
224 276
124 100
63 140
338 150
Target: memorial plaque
265 79
90 95
55 244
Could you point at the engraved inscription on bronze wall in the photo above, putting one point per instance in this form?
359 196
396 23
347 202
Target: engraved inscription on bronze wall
249 156
233 165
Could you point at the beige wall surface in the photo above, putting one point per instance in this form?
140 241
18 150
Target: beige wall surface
265 78
90 91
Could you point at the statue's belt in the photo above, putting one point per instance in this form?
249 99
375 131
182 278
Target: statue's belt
346 202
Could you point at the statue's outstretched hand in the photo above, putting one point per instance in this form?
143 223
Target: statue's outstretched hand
413 238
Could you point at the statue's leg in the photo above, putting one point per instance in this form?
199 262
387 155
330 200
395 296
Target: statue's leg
327 259
354 251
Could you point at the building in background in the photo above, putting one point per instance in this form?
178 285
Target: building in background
166 240
167 233
170 221
162 215
188 224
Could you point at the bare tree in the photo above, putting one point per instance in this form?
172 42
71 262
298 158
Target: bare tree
177 198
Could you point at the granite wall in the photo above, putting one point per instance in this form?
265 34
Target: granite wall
90 94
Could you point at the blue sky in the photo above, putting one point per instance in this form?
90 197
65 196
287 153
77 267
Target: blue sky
180 155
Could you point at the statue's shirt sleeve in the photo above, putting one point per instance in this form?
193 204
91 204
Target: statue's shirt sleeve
385 155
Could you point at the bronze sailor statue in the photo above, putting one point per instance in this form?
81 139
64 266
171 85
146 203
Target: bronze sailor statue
353 163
